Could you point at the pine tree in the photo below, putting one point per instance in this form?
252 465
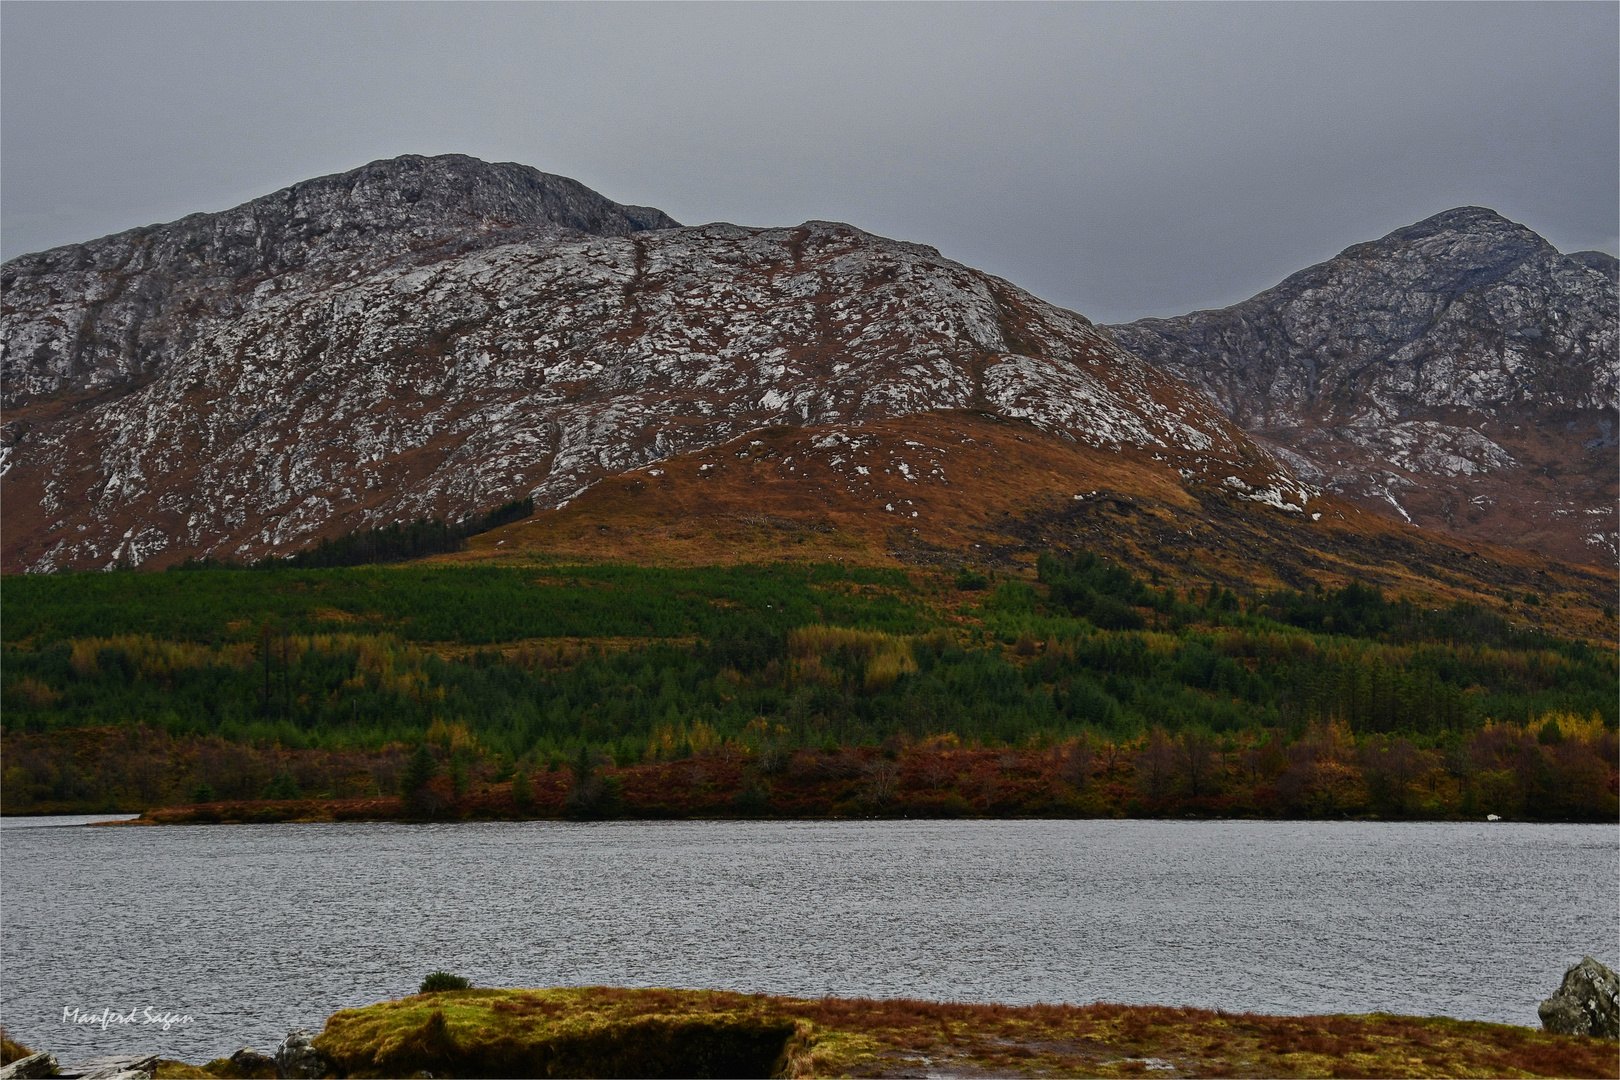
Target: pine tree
418 776
590 796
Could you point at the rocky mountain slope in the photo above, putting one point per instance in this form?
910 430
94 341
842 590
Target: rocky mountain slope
437 336
1459 373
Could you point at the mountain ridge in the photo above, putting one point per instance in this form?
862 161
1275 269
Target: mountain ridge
410 204
427 374
1458 372
436 336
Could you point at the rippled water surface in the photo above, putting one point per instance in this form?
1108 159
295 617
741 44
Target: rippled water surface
255 929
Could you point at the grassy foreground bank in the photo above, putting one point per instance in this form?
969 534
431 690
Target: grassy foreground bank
601 1031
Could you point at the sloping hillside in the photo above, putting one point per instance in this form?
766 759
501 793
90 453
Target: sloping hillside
1459 373
239 384
948 490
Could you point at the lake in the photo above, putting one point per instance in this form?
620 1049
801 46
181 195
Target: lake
254 929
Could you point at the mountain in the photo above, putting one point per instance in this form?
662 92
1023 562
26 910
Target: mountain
90 316
1459 373
436 336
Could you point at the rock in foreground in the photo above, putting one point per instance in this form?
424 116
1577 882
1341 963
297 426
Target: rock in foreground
1587 1003
42 1063
298 1057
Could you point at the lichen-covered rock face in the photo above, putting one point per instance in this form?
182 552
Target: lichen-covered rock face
40 1063
297 1057
449 335
1458 373
1587 1002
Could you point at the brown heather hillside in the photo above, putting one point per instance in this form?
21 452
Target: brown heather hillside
949 489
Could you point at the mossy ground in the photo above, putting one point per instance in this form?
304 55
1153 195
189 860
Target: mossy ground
600 1031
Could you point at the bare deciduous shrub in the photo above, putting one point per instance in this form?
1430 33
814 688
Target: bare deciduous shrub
1076 761
935 770
882 779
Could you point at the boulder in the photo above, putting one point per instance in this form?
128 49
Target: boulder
249 1062
115 1067
297 1058
26 1068
1588 1002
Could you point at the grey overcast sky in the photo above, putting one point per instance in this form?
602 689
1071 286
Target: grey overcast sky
1118 159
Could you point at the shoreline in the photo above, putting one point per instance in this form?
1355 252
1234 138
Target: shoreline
607 1031
299 813
852 783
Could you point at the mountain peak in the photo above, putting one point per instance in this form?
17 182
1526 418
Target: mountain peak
430 337
380 210
311 235
1458 371
1457 219
1471 241
457 186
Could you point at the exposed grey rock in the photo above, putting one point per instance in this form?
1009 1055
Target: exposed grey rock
121 306
1601 261
1459 372
34 1065
1587 1002
240 383
297 1057
114 1067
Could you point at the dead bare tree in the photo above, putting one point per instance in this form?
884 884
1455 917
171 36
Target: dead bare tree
1077 762
1196 759
882 779
1111 754
935 770
1155 764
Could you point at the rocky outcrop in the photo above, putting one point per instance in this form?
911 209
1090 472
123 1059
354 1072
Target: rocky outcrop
261 381
112 1067
1458 373
1587 1002
297 1057
34 1065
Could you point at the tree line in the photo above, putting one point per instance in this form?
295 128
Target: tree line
829 657
395 542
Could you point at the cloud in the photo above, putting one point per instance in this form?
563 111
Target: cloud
1121 160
